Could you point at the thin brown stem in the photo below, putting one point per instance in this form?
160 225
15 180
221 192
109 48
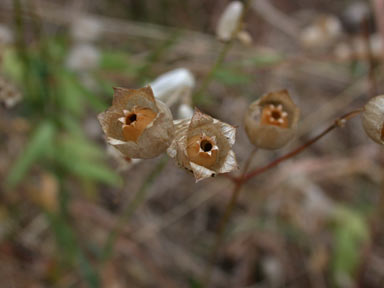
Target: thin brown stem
225 219
337 123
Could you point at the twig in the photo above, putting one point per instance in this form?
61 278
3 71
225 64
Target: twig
240 181
225 219
337 123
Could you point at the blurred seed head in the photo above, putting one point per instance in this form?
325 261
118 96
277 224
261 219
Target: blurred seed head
244 37
203 145
355 14
322 32
358 49
9 94
178 81
137 124
271 121
85 29
229 21
45 192
6 35
373 119
83 57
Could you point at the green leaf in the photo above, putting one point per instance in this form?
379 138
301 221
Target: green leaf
115 61
264 60
36 148
231 77
350 231
97 172
85 168
12 65
70 93
78 147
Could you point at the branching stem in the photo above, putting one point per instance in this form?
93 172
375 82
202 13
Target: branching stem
244 177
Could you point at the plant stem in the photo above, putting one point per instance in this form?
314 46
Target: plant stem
337 123
225 219
240 181
221 57
208 78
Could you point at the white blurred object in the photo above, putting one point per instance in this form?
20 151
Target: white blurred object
229 20
6 35
356 12
83 57
360 47
170 86
184 112
273 270
376 44
85 29
322 32
244 37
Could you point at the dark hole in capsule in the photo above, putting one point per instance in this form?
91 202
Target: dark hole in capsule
206 146
276 115
131 118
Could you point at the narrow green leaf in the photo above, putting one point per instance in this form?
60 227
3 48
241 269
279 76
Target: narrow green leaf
37 146
231 77
85 168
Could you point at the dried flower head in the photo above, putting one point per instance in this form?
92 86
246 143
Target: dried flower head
373 119
229 21
271 121
203 145
137 124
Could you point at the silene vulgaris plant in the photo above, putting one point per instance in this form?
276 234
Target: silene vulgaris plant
140 125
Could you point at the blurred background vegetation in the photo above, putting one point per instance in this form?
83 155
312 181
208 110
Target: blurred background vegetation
75 214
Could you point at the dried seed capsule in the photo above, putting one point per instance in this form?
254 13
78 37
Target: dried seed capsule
203 145
373 119
271 121
137 124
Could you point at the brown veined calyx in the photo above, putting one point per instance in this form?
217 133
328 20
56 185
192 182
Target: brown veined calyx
203 145
271 121
137 124
373 119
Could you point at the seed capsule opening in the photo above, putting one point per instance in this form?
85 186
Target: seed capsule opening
130 119
135 122
206 146
202 150
274 114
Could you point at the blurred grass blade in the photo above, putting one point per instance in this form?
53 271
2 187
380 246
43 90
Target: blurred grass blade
84 168
38 145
